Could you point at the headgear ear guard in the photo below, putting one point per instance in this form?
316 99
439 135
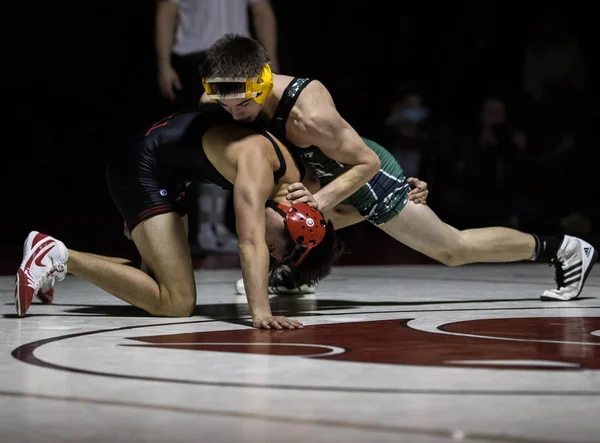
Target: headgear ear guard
257 88
306 226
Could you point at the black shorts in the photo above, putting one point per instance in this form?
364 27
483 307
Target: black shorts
140 188
150 176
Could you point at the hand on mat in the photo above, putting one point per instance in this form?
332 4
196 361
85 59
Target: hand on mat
419 191
276 322
299 194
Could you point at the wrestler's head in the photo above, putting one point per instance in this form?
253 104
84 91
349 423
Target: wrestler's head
300 237
236 74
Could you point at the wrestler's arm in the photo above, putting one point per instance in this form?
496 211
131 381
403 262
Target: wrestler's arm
343 215
310 179
303 192
252 187
318 123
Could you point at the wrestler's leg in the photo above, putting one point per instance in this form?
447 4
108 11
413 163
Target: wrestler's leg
162 243
419 228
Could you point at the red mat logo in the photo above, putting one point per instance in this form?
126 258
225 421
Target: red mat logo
561 343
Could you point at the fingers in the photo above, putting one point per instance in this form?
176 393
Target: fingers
412 181
421 201
280 323
418 197
265 325
295 324
284 323
296 191
308 199
415 183
419 192
296 187
299 194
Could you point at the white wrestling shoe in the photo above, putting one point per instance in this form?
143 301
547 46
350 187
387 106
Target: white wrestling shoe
284 285
45 259
46 292
574 261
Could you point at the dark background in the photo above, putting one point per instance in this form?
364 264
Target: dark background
80 80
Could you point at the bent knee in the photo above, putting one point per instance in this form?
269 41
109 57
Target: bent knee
177 304
452 256
181 310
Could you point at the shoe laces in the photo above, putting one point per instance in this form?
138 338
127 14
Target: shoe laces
47 276
559 273
57 266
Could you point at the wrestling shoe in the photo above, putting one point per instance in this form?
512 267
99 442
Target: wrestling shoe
46 260
241 290
573 262
46 292
283 284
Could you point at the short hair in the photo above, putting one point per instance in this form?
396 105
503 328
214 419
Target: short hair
317 264
233 55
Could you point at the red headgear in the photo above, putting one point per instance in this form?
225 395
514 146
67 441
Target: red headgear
306 226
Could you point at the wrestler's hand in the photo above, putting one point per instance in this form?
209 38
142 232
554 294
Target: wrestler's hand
298 193
276 322
419 191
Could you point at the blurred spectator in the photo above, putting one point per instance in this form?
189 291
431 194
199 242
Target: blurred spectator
487 172
185 29
408 138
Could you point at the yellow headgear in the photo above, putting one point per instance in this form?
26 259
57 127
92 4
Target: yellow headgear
257 88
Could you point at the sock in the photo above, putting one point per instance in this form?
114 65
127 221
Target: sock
546 248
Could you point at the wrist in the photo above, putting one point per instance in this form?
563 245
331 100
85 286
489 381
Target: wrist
323 203
257 315
163 63
319 202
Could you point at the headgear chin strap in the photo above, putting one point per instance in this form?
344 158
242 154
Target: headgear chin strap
306 226
257 88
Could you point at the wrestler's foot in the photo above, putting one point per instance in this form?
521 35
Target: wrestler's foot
44 260
573 262
46 292
283 284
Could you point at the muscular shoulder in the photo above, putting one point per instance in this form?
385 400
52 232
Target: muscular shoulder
314 101
230 141
313 114
252 145
231 147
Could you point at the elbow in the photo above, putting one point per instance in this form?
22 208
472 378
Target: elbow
250 250
250 243
374 163
245 244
